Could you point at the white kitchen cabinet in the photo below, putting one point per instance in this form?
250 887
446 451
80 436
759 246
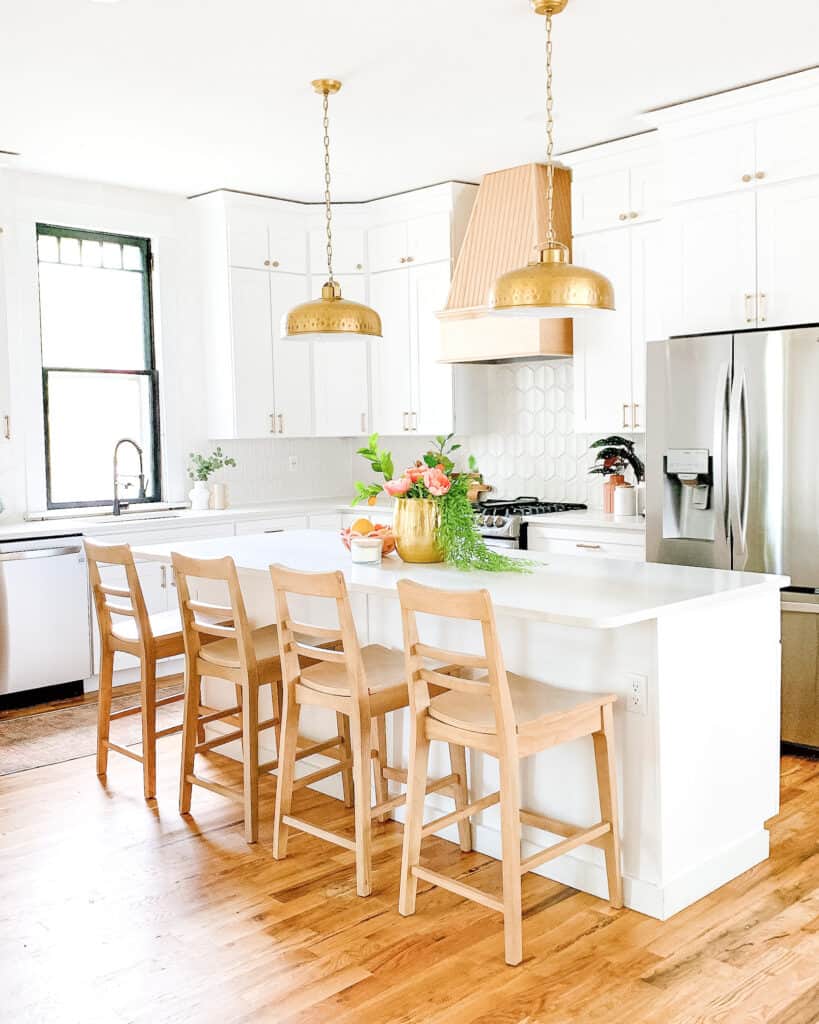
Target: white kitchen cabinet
422 239
613 192
263 238
5 388
349 247
341 389
274 524
392 355
787 145
712 262
253 401
712 162
588 542
787 229
292 366
610 349
432 405
325 521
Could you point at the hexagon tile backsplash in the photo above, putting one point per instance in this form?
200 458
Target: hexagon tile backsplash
530 446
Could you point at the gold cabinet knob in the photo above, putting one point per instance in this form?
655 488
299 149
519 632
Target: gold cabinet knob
403 259
359 266
759 175
267 263
633 215
746 177
410 259
275 263
623 216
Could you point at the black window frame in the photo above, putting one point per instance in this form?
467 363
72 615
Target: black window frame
151 372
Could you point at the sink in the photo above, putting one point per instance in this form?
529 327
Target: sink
135 516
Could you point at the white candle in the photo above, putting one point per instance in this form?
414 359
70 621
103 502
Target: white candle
366 550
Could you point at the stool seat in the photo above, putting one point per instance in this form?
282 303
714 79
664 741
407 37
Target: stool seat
532 703
383 666
225 653
163 624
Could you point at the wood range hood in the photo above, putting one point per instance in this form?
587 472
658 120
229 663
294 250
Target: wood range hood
507 222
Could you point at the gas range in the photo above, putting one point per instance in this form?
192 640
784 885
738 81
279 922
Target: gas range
502 521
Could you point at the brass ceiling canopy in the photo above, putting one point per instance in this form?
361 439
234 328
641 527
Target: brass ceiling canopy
330 314
550 286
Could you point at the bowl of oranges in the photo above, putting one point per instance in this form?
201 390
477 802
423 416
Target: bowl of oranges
366 528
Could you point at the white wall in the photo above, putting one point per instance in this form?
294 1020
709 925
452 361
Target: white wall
26 199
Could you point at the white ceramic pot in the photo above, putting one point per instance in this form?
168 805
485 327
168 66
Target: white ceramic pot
200 496
220 497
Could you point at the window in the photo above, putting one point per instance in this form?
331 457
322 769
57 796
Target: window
99 375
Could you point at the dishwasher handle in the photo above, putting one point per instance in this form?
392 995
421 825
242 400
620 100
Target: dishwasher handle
17 556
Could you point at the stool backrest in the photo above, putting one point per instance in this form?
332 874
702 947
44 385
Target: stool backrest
467 606
202 621
111 601
332 587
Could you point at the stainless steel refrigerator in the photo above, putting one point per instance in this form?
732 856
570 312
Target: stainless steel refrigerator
732 479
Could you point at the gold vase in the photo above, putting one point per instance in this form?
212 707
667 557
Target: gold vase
415 525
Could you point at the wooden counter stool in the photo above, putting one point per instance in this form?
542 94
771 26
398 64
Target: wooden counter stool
219 642
126 626
361 685
509 717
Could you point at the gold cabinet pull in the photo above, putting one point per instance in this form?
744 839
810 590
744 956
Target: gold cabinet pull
7 427
267 263
414 422
759 175
633 215
763 307
359 266
623 216
749 309
410 259
281 423
404 418
634 409
589 547
403 259
625 415
274 263
272 423
746 177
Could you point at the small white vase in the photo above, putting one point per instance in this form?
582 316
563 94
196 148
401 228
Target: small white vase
220 498
200 496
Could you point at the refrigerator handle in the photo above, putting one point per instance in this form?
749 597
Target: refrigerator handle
738 465
721 503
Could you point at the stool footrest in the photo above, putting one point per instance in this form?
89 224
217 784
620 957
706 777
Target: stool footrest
169 731
322 773
215 787
458 815
217 741
215 716
394 774
123 750
125 713
319 833
578 839
469 892
311 748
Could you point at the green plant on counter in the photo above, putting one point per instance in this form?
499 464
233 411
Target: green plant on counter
460 541
202 467
614 453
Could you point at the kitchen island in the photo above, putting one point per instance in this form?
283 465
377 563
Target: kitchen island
692 654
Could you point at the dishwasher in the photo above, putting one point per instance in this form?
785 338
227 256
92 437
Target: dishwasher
45 629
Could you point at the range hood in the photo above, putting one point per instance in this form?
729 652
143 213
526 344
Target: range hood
507 222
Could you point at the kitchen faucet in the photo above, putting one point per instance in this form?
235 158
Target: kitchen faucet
118 506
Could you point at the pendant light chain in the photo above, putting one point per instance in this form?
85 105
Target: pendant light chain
550 142
328 209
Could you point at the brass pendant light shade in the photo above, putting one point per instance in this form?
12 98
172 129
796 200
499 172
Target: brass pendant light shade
551 285
330 314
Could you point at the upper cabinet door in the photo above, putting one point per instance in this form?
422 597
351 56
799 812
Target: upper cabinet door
392 382
432 381
600 200
712 259
646 191
291 360
341 375
713 162
787 228
787 145
247 238
387 246
348 251
429 238
253 400
602 344
287 244
648 290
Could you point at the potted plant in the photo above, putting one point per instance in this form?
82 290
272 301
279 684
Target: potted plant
613 455
200 469
433 521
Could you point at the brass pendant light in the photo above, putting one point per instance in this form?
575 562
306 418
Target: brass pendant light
331 314
550 286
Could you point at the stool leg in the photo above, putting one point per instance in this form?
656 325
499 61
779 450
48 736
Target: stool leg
416 791
510 851
457 760
360 729
104 708
287 768
190 726
379 741
343 727
148 694
607 788
250 762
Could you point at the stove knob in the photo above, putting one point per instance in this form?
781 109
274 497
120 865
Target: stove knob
499 521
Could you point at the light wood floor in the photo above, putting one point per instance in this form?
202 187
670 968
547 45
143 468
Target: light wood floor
115 911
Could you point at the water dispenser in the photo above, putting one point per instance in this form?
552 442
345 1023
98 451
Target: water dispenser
688 510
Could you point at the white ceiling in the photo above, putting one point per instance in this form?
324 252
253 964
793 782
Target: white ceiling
190 95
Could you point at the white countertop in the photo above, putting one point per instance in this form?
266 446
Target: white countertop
595 593
99 525
591 518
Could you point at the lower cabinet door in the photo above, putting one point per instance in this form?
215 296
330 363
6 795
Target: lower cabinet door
586 547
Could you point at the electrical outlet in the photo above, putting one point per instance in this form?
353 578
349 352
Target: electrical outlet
292 463
636 694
